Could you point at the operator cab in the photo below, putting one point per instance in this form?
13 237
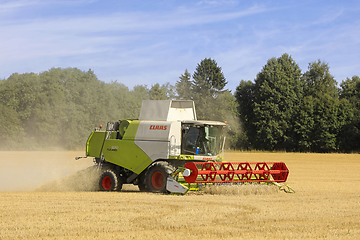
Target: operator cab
202 138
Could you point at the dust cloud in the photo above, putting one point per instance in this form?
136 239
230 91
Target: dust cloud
30 170
84 180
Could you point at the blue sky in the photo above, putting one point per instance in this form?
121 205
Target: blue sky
147 42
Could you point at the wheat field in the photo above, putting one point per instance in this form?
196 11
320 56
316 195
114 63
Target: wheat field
47 195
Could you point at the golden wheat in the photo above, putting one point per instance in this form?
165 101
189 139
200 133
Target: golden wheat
326 205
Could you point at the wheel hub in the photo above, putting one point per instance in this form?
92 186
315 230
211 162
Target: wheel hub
107 183
157 180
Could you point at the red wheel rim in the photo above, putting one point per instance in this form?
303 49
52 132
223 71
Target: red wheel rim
107 183
157 180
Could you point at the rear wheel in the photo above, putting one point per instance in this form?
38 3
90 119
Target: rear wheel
110 181
156 177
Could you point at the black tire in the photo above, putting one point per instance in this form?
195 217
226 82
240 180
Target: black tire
157 175
110 181
142 183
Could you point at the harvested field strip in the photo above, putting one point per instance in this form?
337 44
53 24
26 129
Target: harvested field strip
241 189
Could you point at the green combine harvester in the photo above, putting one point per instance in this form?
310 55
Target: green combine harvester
168 150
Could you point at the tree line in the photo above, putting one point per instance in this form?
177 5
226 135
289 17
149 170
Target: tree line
285 109
282 109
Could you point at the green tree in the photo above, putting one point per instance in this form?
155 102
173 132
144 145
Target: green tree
350 89
157 93
277 93
224 109
137 95
319 81
304 124
183 86
245 98
349 135
11 130
119 101
19 92
208 79
208 82
45 121
322 96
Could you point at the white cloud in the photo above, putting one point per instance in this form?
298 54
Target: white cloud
91 34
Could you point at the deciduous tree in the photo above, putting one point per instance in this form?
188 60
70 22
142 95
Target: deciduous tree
322 94
277 93
349 135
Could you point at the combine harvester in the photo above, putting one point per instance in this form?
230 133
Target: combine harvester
169 150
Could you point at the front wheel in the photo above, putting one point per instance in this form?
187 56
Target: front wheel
142 183
156 177
110 181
